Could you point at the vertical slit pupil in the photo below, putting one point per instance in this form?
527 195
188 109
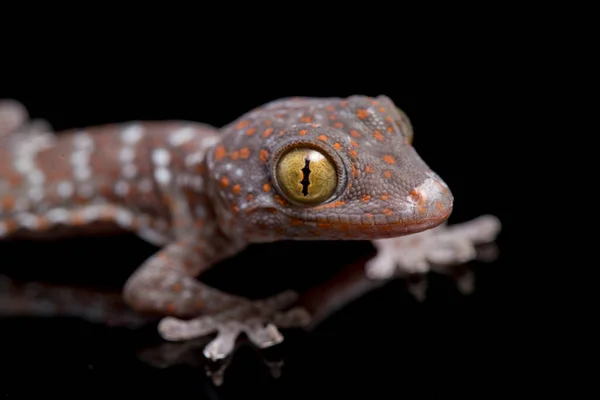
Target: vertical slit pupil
306 172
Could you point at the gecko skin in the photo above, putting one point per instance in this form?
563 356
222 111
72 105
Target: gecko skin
292 169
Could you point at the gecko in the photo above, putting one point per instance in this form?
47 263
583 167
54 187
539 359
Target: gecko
301 168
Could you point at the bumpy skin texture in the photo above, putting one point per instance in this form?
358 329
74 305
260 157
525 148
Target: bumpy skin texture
203 194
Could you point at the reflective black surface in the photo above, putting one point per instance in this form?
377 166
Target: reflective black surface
383 345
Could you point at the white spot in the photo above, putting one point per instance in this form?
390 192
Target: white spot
65 189
58 215
36 193
124 218
23 164
83 141
145 185
161 157
27 220
121 188
210 141
130 171
91 213
228 166
36 177
80 158
239 172
152 236
132 134
181 136
82 173
194 159
127 154
162 176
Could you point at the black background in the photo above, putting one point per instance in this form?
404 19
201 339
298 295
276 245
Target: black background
384 345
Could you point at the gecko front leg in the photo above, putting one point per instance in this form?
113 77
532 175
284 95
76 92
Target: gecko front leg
166 284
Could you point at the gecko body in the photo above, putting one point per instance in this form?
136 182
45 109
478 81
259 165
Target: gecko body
292 169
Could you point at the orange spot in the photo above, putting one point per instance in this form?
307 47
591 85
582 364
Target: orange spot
224 181
353 143
296 222
388 118
236 189
8 203
344 103
365 198
382 110
250 197
78 220
362 113
332 117
235 208
384 197
251 131
324 225
421 209
323 138
338 125
368 169
441 186
280 200
353 153
374 102
330 108
264 155
176 287
377 135
390 129
266 187
268 132
439 206
337 146
234 155
331 205
306 119
170 308
354 133
354 170
268 122
15 180
245 153
389 159
303 132
281 133
387 212
242 124
43 223
220 152
387 174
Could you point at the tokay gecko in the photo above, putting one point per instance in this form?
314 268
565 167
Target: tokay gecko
291 169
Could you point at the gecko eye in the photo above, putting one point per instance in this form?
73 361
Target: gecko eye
306 176
403 123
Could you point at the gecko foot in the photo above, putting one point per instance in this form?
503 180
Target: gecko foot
257 319
437 248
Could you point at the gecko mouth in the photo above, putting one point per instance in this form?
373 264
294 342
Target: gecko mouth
378 226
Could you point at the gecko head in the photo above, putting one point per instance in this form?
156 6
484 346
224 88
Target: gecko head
332 169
